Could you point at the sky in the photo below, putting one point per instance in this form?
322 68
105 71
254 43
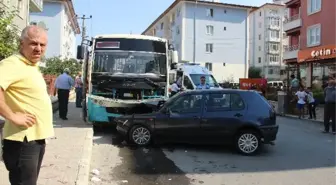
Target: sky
128 16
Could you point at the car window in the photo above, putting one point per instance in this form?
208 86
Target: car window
187 103
236 102
187 83
223 102
220 101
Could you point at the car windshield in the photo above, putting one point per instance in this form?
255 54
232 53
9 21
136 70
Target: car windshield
209 79
115 62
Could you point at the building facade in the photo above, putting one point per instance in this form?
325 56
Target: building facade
210 33
267 39
23 8
311 53
59 19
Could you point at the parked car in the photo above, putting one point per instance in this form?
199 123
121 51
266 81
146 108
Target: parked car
217 116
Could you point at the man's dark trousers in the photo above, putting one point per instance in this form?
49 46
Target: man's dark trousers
79 97
63 101
329 114
23 160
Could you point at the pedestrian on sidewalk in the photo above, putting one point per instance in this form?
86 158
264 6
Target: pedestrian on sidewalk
79 90
26 106
301 97
311 103
329 107
63 84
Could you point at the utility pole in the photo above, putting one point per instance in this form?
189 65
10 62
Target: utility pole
83 27
194 48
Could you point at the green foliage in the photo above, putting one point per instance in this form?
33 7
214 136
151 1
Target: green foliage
9 37
254 72
55 66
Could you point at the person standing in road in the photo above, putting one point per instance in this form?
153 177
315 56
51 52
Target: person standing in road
203 85
26 106
176 87
63 84
329 107
79 90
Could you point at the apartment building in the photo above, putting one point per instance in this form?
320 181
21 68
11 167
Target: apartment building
210 33
23 8
267 40
59 19
311 28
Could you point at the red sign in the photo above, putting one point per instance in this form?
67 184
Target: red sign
108 44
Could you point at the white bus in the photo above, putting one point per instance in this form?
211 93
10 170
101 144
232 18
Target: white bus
125 74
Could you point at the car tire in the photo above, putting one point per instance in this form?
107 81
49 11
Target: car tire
248 142
140 135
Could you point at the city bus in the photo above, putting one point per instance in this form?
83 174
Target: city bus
125 74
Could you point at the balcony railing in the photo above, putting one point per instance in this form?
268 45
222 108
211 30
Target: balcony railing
291 48
292 18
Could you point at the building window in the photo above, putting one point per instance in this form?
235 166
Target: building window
260 14
270 71
259 60
162 26
178 11
275 21
274 58
225 11
313 6
224 28
275 34
259 48
209 48
209 30
208 66
210 12
314 35
154 32
259 36
274 47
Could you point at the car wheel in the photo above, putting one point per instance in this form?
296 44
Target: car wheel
140 135
248 142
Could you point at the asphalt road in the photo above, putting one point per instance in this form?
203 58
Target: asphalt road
302 156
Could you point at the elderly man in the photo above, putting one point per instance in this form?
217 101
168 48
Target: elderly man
26 106
329 107
63 85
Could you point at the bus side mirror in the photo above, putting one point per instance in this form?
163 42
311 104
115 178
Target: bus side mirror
80 52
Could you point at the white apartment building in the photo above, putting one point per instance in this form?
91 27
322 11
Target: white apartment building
59 19
211 33
23 8
267 39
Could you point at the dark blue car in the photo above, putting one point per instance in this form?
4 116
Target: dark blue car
216 116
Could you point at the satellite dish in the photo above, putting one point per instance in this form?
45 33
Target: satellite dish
42 25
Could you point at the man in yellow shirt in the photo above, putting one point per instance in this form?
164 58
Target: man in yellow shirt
26 106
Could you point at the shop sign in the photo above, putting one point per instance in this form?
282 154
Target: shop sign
317 53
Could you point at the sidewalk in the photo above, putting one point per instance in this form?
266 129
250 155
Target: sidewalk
68 155
319 113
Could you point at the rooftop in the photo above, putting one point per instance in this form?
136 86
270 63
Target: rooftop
198 1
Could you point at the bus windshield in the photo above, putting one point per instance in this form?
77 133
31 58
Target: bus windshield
209 79
115 62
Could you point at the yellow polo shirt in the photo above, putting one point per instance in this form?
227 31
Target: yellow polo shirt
26 91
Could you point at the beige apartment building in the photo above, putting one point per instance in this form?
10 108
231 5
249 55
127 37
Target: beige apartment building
23 7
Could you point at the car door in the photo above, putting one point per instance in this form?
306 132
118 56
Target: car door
223 114
180 120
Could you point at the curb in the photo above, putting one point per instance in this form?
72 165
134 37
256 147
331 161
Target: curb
295 117
85 162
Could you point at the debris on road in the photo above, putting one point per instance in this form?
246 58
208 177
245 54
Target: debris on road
95 172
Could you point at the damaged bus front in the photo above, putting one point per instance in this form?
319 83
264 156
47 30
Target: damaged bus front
126 74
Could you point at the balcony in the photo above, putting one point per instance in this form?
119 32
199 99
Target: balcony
291 52
35 5
273 27
292 22
272 39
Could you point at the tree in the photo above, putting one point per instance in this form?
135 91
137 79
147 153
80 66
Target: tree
55 66
9 37
254 72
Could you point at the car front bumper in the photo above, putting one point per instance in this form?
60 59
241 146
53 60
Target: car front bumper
269 133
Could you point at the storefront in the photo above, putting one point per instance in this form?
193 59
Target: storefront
316 65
